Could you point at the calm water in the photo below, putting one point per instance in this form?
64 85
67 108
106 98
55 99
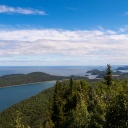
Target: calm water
53 70
14 94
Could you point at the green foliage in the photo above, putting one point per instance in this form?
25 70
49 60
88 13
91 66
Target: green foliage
87 106
108 75
33 111
18 122
117 109
18 79
74 104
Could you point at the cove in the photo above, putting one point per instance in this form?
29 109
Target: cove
14 94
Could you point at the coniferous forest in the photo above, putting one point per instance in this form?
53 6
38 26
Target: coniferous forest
74 104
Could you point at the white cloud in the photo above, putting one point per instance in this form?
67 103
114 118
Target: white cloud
96 46
19 10
53 34
124 29
110 32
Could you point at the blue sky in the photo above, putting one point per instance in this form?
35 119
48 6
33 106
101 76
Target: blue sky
63 32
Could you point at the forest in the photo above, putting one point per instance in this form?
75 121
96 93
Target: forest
73 104
18 79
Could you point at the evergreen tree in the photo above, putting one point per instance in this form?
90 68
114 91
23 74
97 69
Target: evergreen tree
117 112
71 85
58 104
80 116
97 106
108 75
71 81
80 105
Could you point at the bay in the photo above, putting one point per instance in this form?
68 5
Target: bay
14 94
52 70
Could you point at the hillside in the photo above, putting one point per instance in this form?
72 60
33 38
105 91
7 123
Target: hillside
17 79
74 104
32 110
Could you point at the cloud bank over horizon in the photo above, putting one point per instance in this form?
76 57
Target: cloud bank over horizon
79 47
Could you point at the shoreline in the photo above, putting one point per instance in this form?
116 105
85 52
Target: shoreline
25 84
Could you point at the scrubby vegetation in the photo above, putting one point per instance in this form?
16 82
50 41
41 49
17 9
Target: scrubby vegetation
74 104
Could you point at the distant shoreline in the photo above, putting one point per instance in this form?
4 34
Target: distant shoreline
26 84
29 83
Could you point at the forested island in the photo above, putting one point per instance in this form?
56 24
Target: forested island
34 77
73 104
122 68
19 79
115 74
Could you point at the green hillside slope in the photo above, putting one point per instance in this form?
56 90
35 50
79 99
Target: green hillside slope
33 110
73 104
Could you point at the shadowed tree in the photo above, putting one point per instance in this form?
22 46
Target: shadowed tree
108 75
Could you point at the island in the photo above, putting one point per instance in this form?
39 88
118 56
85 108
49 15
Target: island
34 77
100 74
122 68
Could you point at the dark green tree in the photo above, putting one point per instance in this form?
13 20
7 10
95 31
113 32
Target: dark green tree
58 103
71 81
117 112
79 116
108 75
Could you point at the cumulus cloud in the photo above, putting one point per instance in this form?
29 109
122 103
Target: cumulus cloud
93 46
19 10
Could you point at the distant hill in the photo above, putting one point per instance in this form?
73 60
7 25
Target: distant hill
122 68
97 72
100 74
17 79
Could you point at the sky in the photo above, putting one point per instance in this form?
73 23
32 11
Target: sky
63 32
